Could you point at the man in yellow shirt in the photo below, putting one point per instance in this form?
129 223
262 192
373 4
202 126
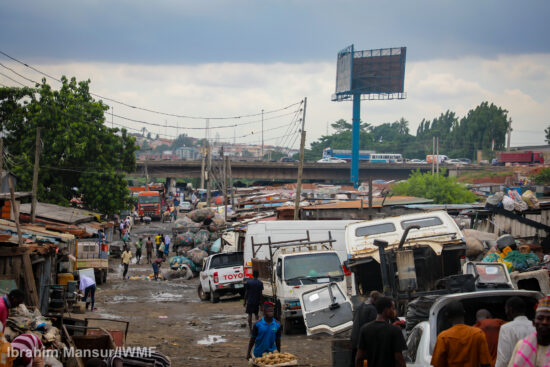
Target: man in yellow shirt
126 257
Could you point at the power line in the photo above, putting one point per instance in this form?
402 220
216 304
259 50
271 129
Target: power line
151 110
13 80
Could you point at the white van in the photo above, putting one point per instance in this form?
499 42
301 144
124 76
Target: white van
289 230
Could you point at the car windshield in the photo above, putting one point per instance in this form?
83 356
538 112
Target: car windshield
149 199
312 266
227 260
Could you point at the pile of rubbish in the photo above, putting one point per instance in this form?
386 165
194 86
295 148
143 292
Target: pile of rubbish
23 321
146 277
194 241
514 201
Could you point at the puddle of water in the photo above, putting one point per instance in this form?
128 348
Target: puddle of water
120 299
212 339
108 316
166 297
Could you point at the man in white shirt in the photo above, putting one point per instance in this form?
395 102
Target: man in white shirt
512 332
87 286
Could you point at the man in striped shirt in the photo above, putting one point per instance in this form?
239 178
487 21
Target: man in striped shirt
28 349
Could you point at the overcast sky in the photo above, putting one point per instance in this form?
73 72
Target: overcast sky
235 58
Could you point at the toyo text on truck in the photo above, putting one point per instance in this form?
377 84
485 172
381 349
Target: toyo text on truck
149 204
290 269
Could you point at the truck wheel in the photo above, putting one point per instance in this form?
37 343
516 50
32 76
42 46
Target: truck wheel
287 325
98 277
202 294
214 298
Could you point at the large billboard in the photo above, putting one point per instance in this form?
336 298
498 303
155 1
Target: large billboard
379 71
343 70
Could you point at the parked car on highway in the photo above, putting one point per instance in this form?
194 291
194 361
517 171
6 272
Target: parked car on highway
331 160
454 161
465 160
288 160
185 206
417 161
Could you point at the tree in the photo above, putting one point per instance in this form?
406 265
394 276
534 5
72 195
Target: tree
547 135
79 150
342 125
440 188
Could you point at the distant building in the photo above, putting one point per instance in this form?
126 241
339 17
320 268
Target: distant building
187 153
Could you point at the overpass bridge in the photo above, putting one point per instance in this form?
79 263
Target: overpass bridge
259 170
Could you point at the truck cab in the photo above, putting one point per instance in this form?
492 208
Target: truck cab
295 268
149 203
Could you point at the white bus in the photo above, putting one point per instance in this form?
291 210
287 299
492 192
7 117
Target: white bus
386 158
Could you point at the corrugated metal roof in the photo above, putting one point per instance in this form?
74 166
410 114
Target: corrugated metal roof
376 202
60 213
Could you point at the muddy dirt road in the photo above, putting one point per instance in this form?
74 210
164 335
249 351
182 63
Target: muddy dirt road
168 315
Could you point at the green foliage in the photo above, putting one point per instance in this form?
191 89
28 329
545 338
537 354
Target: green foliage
78 150
458 138
547 135
439 188
542 177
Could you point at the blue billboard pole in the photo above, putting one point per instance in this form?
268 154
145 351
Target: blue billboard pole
356 132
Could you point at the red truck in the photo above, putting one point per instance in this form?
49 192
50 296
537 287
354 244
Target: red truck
149 204
520 157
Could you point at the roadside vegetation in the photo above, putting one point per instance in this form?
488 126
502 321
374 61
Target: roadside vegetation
440 188
542 177
80 155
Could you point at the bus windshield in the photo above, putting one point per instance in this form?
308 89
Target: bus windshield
312 266
149 199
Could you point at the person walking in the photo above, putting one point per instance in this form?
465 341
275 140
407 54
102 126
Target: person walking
139 245
253 297
365 313
514 331
460 345
126 257
156 267
149 248
534 349
381 344
166 245
88 287
491 328
266 334
162 247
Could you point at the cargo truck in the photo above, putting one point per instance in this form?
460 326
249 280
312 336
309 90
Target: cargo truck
519 157
149 204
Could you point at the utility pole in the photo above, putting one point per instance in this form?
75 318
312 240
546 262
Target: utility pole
509 133
208 172
300 164
230 182
203 163
35 174
1 161
262 135
225 169
15 212
433 155
437 154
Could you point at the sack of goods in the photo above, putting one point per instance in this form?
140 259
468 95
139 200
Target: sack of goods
201 237
276 359
200 215
197 256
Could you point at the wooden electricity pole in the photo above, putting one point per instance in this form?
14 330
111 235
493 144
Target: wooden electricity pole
208 173
1 161
37 150
225 171
300 164
231 190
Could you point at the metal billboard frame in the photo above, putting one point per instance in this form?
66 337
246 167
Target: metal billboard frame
366 91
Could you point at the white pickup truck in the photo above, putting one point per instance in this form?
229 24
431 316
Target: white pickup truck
221 274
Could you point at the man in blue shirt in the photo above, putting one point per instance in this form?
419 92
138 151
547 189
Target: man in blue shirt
253 296
266 334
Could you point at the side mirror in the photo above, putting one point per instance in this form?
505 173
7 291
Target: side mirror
279 270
